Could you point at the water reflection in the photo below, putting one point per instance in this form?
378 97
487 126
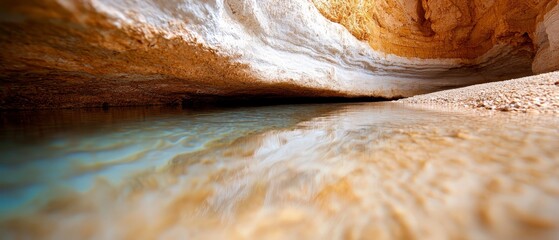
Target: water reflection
71 149
376 171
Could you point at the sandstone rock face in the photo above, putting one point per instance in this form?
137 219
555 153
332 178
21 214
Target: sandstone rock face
547 42
59 53
438 28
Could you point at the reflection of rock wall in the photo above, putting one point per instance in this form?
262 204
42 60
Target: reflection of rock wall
547 40
85 53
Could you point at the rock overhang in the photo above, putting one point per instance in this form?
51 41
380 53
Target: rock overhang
67 54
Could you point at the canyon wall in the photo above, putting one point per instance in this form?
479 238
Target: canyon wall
547 42
59 53
437 28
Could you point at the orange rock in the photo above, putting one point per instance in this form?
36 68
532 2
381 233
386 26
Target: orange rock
438 28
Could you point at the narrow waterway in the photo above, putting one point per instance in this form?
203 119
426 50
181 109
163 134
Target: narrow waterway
317 171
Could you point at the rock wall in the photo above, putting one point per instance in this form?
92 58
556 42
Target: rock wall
59 53
438 28
547 42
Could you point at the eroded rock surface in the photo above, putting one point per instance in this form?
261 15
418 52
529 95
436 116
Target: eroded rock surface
438 28
93 53
547 42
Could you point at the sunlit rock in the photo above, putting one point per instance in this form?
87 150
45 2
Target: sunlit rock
547 57
60 53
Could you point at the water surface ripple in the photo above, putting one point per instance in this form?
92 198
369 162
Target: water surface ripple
339 171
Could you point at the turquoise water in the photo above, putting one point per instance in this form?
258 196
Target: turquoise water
72 149
335 171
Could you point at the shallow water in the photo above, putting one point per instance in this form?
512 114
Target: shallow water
337 171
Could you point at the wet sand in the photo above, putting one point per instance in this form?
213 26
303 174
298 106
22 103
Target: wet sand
534 94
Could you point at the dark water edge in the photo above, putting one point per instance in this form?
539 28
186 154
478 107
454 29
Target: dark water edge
204 101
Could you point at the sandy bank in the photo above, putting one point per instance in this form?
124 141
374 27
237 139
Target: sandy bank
534 94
